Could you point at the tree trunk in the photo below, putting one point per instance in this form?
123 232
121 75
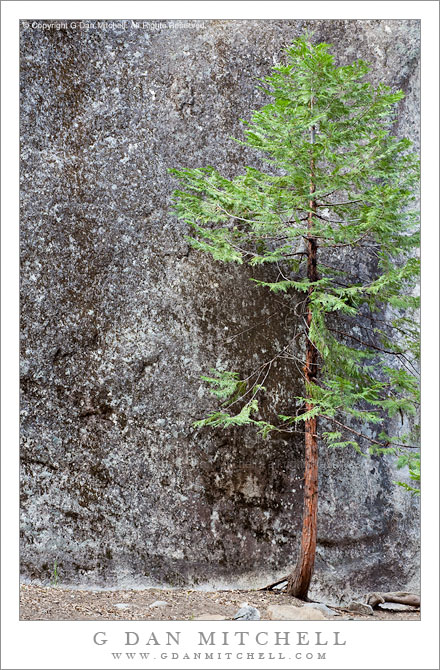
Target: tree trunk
299 580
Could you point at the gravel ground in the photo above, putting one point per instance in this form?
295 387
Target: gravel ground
56 603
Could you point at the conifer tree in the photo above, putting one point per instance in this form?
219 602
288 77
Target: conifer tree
338 186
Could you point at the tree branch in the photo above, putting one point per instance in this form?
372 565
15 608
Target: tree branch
365 437
338 204
373 346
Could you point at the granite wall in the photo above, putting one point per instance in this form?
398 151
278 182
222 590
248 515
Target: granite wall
120 318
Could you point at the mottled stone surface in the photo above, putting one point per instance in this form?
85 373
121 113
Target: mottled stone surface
291 613
120 319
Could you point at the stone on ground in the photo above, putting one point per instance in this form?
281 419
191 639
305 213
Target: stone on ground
159 603
397 607
291 613
360 608
323 608
247 613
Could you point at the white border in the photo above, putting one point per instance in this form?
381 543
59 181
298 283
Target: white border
389 645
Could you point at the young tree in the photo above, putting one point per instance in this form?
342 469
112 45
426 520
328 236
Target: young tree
338 187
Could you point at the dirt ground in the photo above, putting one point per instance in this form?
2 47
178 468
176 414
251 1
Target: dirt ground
56 603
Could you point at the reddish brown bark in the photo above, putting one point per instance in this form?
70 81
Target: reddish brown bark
299 580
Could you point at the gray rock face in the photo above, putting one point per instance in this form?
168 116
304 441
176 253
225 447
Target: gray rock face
120 319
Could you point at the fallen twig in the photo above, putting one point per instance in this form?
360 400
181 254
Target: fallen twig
400 597
270 587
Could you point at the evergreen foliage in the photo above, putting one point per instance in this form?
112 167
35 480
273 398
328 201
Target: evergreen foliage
329 128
